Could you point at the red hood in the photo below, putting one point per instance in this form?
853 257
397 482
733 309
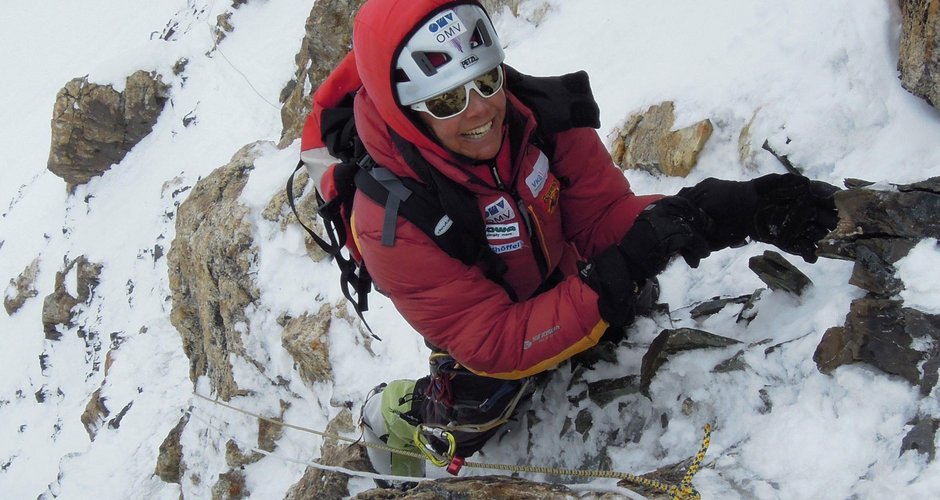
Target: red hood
380 28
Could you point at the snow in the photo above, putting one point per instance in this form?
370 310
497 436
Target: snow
817 80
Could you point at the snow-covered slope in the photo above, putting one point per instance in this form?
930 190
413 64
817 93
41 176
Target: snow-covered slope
817 80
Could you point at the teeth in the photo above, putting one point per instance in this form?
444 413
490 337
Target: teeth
479 131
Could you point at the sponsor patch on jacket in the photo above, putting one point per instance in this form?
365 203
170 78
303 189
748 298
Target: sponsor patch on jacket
550 198
499 211
507 247
536 180
502 231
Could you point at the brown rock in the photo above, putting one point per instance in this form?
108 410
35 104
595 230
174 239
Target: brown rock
22 288
474 488
317 483
328 39
94 414
170 466
230 486
94 126
305 338
57 306
648 142
919 59
211 280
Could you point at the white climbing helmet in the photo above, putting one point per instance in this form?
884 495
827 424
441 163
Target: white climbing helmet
448 49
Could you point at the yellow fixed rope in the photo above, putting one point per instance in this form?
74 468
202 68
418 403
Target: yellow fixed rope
682 491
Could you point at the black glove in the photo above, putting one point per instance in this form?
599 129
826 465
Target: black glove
668 227
786 210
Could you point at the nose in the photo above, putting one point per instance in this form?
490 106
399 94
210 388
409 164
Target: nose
478 103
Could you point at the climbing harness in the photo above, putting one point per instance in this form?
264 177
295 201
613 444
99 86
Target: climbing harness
682 491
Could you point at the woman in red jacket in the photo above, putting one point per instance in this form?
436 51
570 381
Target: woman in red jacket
574 244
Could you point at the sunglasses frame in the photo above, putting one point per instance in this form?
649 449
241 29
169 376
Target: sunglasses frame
472 84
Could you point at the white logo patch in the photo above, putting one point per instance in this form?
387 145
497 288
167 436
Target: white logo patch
507 247
536 180
502 231
499 211
443 225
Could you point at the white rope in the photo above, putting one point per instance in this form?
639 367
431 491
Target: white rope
316 465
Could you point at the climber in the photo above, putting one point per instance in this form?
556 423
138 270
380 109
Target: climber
567 247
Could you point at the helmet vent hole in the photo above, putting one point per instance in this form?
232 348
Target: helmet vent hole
430 61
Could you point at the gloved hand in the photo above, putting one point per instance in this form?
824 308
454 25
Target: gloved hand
664 229
786 210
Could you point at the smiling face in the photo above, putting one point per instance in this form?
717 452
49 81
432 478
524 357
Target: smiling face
476 133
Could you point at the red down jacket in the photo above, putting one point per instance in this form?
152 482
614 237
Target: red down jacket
451 304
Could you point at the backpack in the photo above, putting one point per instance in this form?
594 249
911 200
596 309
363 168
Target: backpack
436 205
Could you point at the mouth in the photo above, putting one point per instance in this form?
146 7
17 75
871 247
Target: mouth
478 132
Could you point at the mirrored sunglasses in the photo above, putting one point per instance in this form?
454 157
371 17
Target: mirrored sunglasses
455 101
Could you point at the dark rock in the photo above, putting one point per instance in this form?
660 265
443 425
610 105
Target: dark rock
778 274
603 392
874 270
715 305
94 126
749 311
919 58
766 403
669 342
851 183
865 213
473 488
931 185
921 437
583 423
733 364
170 466
115 423
880 332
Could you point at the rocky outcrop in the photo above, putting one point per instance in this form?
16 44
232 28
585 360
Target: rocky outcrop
317 483
21 289
210 274
306 341
170 466
876 229
94 126
919 60
327 40
474 488
57 306
881 333
646 141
